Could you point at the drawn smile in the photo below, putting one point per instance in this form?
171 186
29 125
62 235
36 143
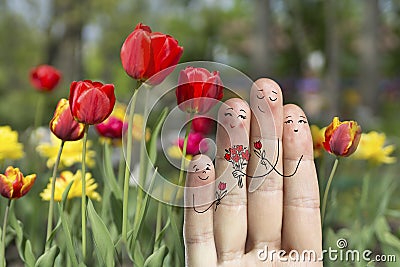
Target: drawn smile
273 99
260 109
296 130
203 178
232 126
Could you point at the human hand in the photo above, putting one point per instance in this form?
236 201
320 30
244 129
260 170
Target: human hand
251 208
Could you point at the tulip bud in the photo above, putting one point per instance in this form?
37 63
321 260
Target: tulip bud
45 78
194 144
342 138
63 124
146 53
13 184
91 102
198 90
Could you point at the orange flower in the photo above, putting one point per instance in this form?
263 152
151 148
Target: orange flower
13 184
342 138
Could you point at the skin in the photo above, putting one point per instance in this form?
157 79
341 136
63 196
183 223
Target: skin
280 212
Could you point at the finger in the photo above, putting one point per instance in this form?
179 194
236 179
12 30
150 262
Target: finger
265 193
301 221
198 216
230 218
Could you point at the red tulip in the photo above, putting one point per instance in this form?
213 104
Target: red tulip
198 90
91 102
45 78
13 184
63 124
145 53
202 125
342 138
194 144
258 145
221 186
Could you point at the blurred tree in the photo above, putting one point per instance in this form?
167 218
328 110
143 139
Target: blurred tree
369 75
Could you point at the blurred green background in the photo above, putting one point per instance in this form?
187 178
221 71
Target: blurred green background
344 55
335 58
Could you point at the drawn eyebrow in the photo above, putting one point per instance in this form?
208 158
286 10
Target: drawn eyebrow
208 164
229 108
260 90
274 92
194 166
287 117
242 110
302 117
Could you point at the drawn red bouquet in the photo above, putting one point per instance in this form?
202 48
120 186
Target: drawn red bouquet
239 156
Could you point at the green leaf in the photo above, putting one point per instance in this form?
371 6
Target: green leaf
48 258
102 237
23 245
53 233
138 257
157 258
67 235
116 211
154 136
65 194
178 237
109 176
30 258
163 231
384 235
142 213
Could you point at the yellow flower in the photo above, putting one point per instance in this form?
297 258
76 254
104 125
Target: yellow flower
10 148
176 153
372 148
66 177
71 154
137 129
318 136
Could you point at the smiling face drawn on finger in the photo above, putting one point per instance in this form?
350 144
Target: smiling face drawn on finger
296 124
266 95
234 119
202 172
297 138
266 106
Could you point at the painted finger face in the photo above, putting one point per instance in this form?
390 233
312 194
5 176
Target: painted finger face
296 133
266 95
266 107
200 181
234 114
233 125
296 123
202 170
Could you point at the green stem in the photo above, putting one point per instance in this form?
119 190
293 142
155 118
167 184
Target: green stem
185 141
143 161
83 209
158 226
3 237
51 205
39 110
128 169
121 167
365 189
328 185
